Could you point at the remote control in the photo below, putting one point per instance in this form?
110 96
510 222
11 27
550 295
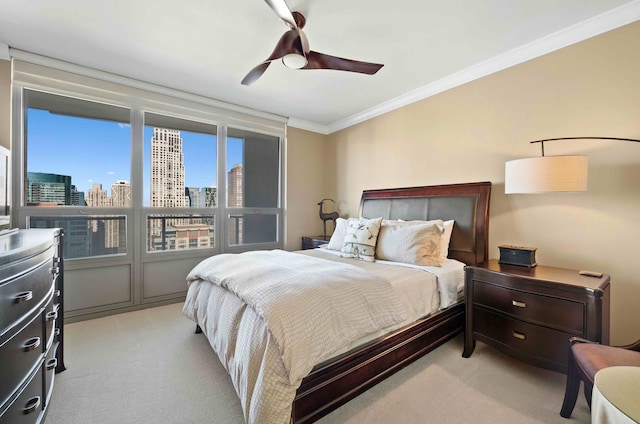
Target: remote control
591 273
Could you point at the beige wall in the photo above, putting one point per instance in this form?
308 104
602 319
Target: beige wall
306 185
467 133
5 103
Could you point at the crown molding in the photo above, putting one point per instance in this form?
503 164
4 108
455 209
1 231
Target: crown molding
597 25
309 126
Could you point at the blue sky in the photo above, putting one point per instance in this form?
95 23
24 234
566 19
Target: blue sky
93 151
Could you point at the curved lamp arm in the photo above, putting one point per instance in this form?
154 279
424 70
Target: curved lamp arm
581 138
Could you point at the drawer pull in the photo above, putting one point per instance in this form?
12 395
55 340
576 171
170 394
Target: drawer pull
24 296
31 405
51 364
57 331
51 315
56 293
54 270
31 344
518 304
518 335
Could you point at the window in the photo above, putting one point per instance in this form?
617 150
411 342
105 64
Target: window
253 187
180 173
79 157
78 154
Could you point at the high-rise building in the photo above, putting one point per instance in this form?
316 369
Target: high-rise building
167 170
195 197
121 194
235 200
48 188
234 177
116 229
209 194
167 184
97 197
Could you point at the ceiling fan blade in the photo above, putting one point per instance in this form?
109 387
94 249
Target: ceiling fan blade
290 42
283 11
255 73
324 61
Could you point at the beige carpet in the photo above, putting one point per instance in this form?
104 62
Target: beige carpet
148 367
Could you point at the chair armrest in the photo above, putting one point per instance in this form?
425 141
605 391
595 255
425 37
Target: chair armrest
575 340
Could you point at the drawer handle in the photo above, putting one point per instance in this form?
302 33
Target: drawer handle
24 296
54 270
31 344
518 304
51 364
57 331
519 335
31 405
56 293
51 315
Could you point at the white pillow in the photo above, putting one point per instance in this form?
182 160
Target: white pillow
446 235
337 238
446 238
360 238
412 243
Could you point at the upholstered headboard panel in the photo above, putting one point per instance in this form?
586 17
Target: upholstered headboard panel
467 204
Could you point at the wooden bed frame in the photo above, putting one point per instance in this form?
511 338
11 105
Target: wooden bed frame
332 384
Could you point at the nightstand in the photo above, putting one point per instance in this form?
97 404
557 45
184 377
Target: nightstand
530 313
311 242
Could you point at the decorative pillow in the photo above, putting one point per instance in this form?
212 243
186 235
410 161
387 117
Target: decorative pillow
337 238
360 238
411 242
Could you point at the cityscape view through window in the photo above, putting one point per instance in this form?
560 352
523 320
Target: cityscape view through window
79 161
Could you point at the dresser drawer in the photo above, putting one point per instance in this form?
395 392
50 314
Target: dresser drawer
27 408
539 342
50 363
19 355
50 315
26 292
562 314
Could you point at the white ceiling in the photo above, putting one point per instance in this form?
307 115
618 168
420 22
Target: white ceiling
207 47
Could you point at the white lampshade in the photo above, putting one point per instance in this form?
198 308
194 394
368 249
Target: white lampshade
546 174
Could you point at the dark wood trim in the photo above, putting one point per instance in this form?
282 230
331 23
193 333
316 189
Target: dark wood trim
331 386
480 190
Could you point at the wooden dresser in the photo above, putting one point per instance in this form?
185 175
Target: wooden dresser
530 313
31 284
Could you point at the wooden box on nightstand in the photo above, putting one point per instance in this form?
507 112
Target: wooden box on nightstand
530 313
312 242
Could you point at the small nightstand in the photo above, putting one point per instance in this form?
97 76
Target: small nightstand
311 242
530 313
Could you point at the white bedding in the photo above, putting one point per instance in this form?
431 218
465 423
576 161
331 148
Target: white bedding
266 379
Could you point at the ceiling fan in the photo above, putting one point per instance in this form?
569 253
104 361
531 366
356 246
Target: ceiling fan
293 50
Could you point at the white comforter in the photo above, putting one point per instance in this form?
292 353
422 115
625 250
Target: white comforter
272 316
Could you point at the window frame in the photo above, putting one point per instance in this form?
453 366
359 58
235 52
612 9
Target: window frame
146 102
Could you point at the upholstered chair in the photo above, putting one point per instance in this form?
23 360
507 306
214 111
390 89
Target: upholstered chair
586 358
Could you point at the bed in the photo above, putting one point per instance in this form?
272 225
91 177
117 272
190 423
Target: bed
320 386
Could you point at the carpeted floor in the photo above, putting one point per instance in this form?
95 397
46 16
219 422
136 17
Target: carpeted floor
148 367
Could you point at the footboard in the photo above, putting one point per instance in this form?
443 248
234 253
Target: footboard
329 386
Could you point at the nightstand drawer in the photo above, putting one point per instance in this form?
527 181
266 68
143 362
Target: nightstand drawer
563 314
541 343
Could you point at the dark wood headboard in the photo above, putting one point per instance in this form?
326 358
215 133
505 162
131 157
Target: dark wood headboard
467 204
